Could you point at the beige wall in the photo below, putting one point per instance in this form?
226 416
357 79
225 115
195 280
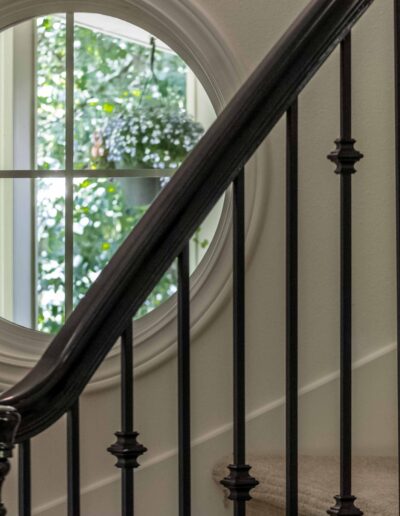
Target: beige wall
250 27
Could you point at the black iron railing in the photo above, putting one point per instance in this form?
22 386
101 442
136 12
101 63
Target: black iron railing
53 387
185 501
292 165
127 449
397 139
345 157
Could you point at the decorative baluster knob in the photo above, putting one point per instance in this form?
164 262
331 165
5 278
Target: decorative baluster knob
127 450
345 156
345 507
9 423
239 482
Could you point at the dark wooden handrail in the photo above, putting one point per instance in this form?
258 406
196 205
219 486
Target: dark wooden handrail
55 383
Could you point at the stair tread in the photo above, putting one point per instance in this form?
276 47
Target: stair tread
374 484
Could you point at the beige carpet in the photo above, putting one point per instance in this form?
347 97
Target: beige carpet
375 485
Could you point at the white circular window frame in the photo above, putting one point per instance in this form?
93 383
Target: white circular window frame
191 35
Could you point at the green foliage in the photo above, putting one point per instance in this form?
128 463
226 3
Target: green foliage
51 79
101 223
129 112
127 95
50 254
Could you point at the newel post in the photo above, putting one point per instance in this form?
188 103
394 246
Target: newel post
9 423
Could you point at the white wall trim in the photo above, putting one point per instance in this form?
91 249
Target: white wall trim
6 185
223 429
189 33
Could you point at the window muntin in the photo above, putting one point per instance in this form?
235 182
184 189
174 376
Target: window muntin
115 176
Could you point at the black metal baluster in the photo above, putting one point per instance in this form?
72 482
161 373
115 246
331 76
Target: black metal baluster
292 311
397 137
10 420
24 479
73 459
239 482
127 449
73 438
127 417
345 157
184 383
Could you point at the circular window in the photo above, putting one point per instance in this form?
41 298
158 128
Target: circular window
96 116
187 30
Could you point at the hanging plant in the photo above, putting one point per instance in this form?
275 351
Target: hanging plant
153 128
150 137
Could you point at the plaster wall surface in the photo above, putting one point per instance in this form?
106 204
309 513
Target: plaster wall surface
250 28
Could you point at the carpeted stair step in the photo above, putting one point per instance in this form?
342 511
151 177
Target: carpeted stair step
374 483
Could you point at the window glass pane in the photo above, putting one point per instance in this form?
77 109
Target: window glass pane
32 247
166 288
16 241
203 236
6 249
50 238
105 212
51 78
138 111
130 101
